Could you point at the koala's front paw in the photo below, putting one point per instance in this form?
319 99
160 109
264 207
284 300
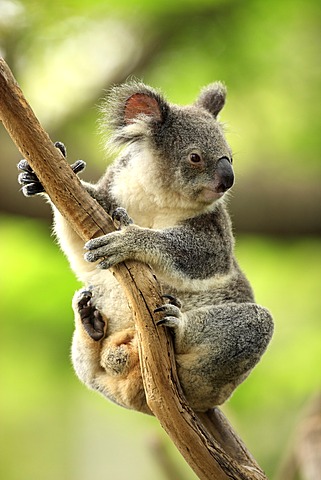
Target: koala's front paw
109 249
31 184
171 312
78 165
91 318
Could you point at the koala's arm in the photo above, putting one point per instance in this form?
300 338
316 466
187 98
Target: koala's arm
198 248
71 244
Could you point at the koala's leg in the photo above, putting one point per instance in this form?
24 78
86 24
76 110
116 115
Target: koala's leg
216 348
87 339
108 364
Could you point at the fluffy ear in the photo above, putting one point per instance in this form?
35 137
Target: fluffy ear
142 104
126 102
212 98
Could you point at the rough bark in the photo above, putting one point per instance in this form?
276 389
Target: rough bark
211 447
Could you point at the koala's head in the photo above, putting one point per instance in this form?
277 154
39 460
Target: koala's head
185 144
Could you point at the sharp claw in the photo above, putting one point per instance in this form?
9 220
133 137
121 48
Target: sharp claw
86 295
21 178
27 177
103 265
161 322
172 300
171 322
78 166
89 257
62 148
121 218
159 309
32 189
24 166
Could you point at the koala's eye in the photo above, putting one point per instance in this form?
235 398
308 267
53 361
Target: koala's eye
195 158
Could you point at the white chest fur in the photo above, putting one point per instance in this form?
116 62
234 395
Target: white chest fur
139 188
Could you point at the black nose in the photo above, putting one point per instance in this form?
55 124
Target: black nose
224 175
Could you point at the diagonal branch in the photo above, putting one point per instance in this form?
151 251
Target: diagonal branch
212 451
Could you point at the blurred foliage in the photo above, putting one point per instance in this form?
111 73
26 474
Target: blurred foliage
64 55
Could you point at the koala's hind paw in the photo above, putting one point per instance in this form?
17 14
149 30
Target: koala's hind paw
91 318
171 312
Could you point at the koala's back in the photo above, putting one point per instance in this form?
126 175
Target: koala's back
230 288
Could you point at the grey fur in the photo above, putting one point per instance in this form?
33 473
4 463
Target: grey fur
212 98
170 178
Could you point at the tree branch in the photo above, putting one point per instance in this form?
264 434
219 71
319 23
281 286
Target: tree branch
214 453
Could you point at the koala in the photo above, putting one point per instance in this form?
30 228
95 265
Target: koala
166 191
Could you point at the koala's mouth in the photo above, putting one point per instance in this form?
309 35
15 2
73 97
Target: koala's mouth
209 194
222 182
